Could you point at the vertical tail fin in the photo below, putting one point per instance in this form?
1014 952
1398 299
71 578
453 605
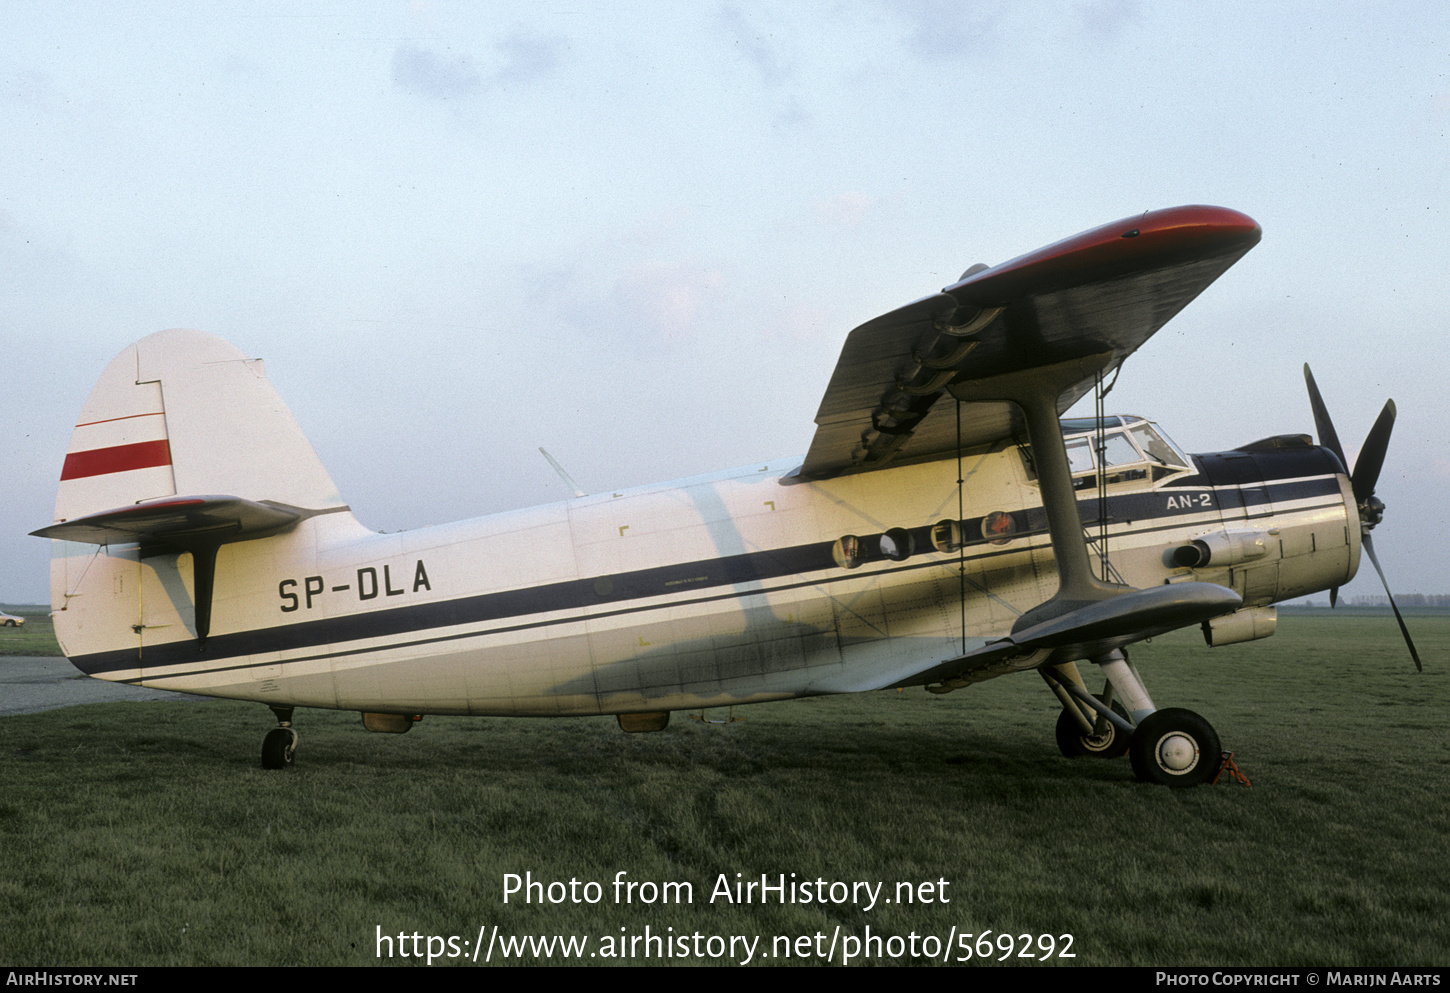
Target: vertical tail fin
182 412
182 447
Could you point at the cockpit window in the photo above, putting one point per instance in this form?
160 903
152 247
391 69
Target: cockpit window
1157 447
1118 450
1079 456
1127 441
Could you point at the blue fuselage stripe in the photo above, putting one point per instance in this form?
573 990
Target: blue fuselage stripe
604 596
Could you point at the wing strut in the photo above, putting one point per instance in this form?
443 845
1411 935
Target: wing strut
1036 392
1087 617
961 545
1100 445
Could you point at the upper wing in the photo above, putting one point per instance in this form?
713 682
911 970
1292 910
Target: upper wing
1104 291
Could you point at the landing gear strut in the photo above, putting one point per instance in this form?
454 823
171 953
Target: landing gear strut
280 745
1104 741
1171 747
1096 725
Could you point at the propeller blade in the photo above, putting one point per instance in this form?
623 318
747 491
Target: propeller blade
1369 547
1322 424
1372 455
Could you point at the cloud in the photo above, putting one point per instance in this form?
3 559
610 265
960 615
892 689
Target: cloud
30 88
804 321
844 210
753 46
1110 18
948 30
637 302
667 297
422 72
528 56
520 59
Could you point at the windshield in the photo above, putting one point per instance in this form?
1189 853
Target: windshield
1126 440
1157 446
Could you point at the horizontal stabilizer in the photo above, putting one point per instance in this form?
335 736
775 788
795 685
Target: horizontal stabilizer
196 524
1098 628
180 521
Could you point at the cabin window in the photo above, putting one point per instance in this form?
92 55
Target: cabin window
847 551
897 545
946 536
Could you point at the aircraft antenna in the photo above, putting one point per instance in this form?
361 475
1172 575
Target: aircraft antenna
568 479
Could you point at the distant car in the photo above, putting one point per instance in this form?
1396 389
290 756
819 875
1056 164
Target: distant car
10 620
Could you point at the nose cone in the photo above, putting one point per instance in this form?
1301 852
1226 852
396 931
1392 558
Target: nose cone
1372 511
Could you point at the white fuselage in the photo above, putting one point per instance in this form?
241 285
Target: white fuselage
717 590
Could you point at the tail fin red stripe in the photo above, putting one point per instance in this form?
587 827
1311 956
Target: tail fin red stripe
117 458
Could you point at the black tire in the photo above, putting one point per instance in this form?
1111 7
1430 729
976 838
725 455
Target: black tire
9 624
1074 744
278 748
1175 747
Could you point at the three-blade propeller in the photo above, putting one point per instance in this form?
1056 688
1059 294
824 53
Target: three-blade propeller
1362 479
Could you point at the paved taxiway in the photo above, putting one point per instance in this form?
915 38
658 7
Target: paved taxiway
29 684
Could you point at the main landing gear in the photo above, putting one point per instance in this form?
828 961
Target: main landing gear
1172 747
1102 740
1175 747
280 745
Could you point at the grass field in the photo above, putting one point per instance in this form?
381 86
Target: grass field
35 637
147 834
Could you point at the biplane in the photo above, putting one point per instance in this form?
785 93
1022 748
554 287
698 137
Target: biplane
946 527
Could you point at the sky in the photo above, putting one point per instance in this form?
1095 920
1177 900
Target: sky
637 234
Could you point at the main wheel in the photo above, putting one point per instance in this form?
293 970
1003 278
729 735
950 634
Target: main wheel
278 748
1111 744
1175 747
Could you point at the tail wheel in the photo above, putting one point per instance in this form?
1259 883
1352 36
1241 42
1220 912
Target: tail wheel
1071 741
278 748
1175 747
